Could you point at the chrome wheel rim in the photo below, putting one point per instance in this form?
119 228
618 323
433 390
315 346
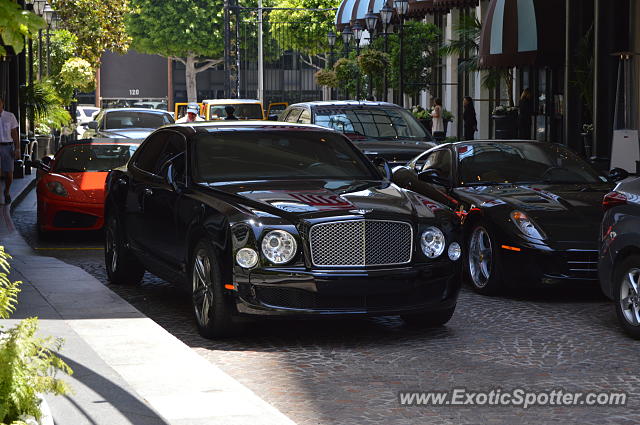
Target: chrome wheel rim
112 249
480 257
629 297
202 287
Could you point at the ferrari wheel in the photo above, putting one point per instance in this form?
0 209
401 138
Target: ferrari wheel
482 261
627 281
122 266
211 310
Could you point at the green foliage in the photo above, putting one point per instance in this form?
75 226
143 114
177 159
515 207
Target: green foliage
77 73
583 79
16 24
327 77
29 364
173 28
44 106
373 62
99 25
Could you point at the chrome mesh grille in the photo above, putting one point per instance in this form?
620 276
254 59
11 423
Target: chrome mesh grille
361 243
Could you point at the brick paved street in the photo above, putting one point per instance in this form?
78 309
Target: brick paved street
349 371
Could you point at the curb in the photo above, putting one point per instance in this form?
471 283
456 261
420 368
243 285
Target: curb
23 194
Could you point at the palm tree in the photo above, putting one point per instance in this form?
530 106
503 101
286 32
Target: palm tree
467 48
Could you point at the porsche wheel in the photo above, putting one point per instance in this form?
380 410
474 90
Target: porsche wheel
212 312
627 281
122 266
482 261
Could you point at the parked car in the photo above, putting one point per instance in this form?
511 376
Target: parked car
70 187
619 266
85 113
376 128
531 210
127 123
272 219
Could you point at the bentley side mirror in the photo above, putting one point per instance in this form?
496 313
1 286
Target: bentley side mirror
618 174
38 164
383 166
432 176
46 160
92 125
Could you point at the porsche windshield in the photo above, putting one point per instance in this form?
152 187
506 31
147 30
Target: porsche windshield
135 119
487 163
282 155
376 122
81 158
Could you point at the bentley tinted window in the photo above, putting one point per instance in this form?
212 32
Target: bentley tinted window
257 155
522 163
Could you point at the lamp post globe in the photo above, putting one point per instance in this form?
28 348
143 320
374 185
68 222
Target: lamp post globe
347 35
331 38
385 14
38 6
357 33
48 14
371 19
401 6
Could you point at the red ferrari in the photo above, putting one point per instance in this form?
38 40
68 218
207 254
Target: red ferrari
71 187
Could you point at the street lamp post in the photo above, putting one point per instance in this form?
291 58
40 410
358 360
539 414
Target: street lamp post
371 19
385 15
347 35
401 7
48 17
331 38
357 36
38 8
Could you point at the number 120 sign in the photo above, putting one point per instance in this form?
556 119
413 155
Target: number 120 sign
134 92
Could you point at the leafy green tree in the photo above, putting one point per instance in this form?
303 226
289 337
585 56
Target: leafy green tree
16 24
189 31
98 25
306 30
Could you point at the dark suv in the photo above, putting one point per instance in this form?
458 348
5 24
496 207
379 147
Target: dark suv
262 218
379 129
619 265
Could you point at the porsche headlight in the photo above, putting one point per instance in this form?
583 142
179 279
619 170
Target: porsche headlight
57 188
432 242
279 246
526 225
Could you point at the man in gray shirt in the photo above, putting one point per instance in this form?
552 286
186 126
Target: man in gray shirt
9 148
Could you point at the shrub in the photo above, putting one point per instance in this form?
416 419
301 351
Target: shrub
327 77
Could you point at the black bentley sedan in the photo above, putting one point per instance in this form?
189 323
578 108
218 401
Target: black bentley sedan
261 218
378 129
531 210
126 123
619 265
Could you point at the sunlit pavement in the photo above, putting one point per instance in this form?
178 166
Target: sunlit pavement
349 371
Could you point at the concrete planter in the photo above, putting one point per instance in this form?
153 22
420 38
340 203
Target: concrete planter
506 126
45 419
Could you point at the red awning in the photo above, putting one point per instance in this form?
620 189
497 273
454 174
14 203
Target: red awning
523 32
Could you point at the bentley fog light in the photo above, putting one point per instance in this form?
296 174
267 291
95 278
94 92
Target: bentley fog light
57 188
526 225
247 258
454 251
279 246
432 242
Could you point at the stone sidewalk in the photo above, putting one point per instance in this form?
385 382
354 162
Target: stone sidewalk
127 369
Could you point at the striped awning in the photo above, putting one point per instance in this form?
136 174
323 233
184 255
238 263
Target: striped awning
460 4
352 11
523 32
421 8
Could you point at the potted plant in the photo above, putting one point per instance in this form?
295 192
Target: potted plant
447 117
422 115
505 120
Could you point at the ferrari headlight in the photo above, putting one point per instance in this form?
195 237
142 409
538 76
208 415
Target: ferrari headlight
57 188
432 242
279 246
247 258
526 225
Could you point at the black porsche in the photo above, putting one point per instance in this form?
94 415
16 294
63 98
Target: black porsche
260 218
531 211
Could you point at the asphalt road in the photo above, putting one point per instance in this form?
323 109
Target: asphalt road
350 371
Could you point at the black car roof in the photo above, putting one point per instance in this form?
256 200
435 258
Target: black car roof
153 111
346 103
256 125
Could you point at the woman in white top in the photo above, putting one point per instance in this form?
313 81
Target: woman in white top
437 124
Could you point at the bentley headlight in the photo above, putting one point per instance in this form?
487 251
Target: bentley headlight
432 242
526 225
57 188
247 258
279 246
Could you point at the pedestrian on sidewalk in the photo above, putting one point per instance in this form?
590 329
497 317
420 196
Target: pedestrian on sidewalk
9 148
469 118
193 109
230 110
437 123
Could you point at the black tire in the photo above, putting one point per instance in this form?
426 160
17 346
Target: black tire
122 266
484 280
43 235
213 313
627 309
428 319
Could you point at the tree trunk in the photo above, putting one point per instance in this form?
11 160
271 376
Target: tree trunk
190 78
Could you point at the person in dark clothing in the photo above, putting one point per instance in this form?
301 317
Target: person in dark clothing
525 112
469 118
230 110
